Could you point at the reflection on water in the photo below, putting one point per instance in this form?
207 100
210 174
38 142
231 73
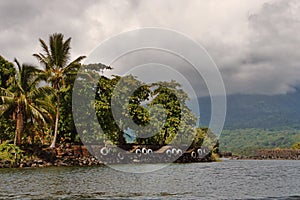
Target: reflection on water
221 180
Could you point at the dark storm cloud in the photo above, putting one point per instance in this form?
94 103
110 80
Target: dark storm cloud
14 13
24 22
266 59
272 61
254 43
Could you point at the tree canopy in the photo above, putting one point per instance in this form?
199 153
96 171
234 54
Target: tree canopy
25 100
37 102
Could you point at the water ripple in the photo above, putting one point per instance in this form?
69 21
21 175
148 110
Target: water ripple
222 180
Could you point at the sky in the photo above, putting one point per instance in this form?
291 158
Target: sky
254 43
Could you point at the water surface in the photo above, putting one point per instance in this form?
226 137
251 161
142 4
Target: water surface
221 180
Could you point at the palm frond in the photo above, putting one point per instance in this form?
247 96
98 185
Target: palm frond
36 113
4 108
44 60
66 52
45 47
18 64
75 64
6 92
46 105
8 101
57 50
41 92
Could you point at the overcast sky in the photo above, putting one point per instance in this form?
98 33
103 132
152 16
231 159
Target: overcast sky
255 43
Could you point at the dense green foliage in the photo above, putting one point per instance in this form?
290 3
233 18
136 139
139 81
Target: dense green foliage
7 125
7 71
153 114
10 152
58 70
296 145
7 128
66 127
28 104
246 141
32 112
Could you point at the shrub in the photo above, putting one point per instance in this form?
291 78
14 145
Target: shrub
296 145
10 152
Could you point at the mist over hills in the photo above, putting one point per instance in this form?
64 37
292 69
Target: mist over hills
257 111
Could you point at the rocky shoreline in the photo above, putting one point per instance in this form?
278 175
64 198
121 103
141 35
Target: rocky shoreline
277 154
267 154
64 155
78 155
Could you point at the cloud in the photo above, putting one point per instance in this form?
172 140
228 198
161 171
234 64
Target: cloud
267 62
254 43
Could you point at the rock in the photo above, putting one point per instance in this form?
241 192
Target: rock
40 162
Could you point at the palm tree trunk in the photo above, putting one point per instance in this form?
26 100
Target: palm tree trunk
19 128
16 137
32 131
121 138
165 137
56 121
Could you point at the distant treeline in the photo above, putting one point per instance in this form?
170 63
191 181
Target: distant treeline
247 141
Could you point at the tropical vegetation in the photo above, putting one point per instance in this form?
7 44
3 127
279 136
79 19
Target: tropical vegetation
26 102
36 104
247 141
55 60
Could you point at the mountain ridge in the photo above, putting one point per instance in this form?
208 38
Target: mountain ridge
257 111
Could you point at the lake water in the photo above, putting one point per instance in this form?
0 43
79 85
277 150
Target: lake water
222 180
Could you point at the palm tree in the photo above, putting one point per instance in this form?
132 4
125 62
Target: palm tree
25 100
55 59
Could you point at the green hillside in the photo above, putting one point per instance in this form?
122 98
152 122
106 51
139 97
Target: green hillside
246 141
257 121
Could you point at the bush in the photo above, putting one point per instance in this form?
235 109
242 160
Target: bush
7 128
296 145
10 152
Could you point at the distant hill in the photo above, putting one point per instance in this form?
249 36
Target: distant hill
257 122
258 111
246 141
